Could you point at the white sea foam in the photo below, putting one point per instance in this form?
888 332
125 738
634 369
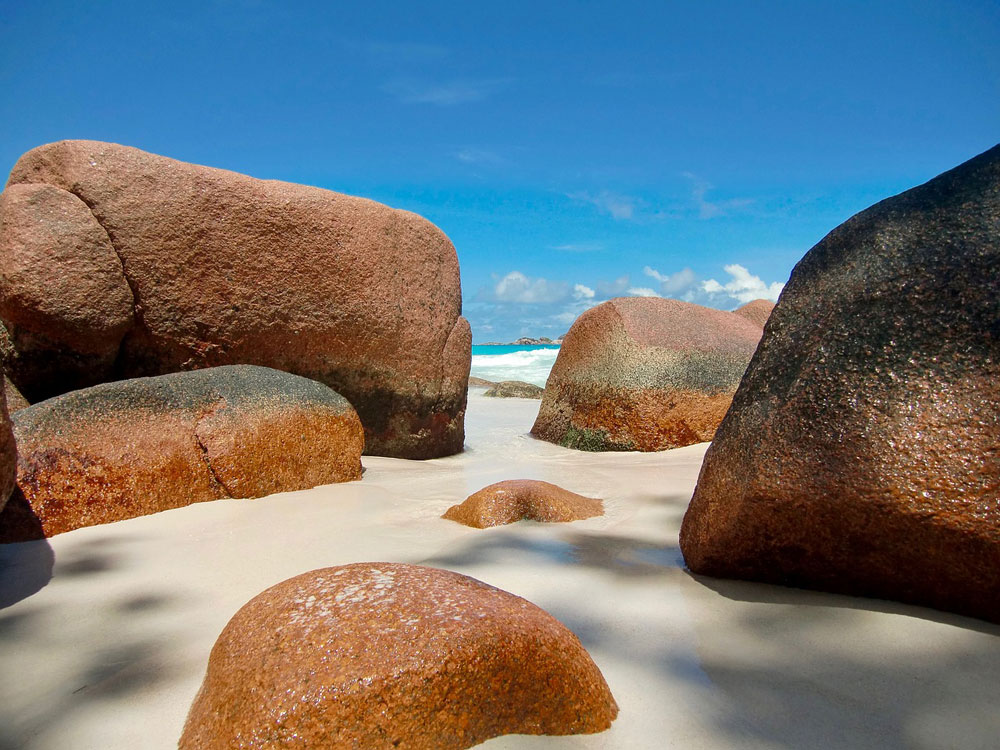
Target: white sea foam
531 366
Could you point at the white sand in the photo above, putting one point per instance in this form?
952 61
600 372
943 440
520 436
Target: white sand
110 652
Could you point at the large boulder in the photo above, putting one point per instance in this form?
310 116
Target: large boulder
758 311
644 373
384 655
862 451
135 447
119 263
515 500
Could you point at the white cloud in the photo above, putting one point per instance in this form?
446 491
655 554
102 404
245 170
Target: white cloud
619 206
674 283
582 292
614 288
711 209
516 287
743 286
642 291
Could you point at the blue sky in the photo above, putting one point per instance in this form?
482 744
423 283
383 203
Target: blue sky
571 151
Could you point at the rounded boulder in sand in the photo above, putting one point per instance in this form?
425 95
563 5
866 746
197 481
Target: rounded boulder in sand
384 655
646 374
134 447
219 268
860 454
519 499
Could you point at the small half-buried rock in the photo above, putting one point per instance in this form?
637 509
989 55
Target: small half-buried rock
515 389
135 447
480 382
386 655
523 499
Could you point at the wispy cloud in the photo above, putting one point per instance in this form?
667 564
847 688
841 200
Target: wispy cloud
674 283
579 247
708 209
617 205
443 94
473 155
395 53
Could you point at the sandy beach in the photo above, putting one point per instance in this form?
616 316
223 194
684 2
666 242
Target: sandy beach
105 631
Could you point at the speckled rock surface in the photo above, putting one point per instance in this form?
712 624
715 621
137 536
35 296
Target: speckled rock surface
134 447
758 310
519 499
385 655
647 374
861 451
217 268
15 401
8 452
64 302
515 389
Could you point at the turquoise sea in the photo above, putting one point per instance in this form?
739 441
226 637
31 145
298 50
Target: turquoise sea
528 363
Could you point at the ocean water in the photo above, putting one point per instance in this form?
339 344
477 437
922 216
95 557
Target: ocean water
528 363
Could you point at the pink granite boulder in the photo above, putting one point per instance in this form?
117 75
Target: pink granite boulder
197 267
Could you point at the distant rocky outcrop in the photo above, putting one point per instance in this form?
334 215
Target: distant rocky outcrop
377 655
523 499
644 373
480 382
118 263
514 389
526 341
135 447
860 454
759 310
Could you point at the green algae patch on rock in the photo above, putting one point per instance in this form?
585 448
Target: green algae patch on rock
134 447
386 655
644 374
861 454
515 500
514 389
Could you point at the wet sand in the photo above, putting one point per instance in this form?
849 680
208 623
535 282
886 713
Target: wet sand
105 632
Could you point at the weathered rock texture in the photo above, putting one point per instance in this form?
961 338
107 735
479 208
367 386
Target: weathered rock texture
758 310
119 263
135 447
518 499
473 380
862 451
383 655
647 374
8 453
15 401
514 389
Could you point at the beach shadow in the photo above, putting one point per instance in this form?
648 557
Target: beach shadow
767 593
817 671
618 555
26 557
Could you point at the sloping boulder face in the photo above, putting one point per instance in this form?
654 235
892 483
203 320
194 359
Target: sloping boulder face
64 302
384 655
221 268
862 451
135 447
758 310
646 374
515 500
